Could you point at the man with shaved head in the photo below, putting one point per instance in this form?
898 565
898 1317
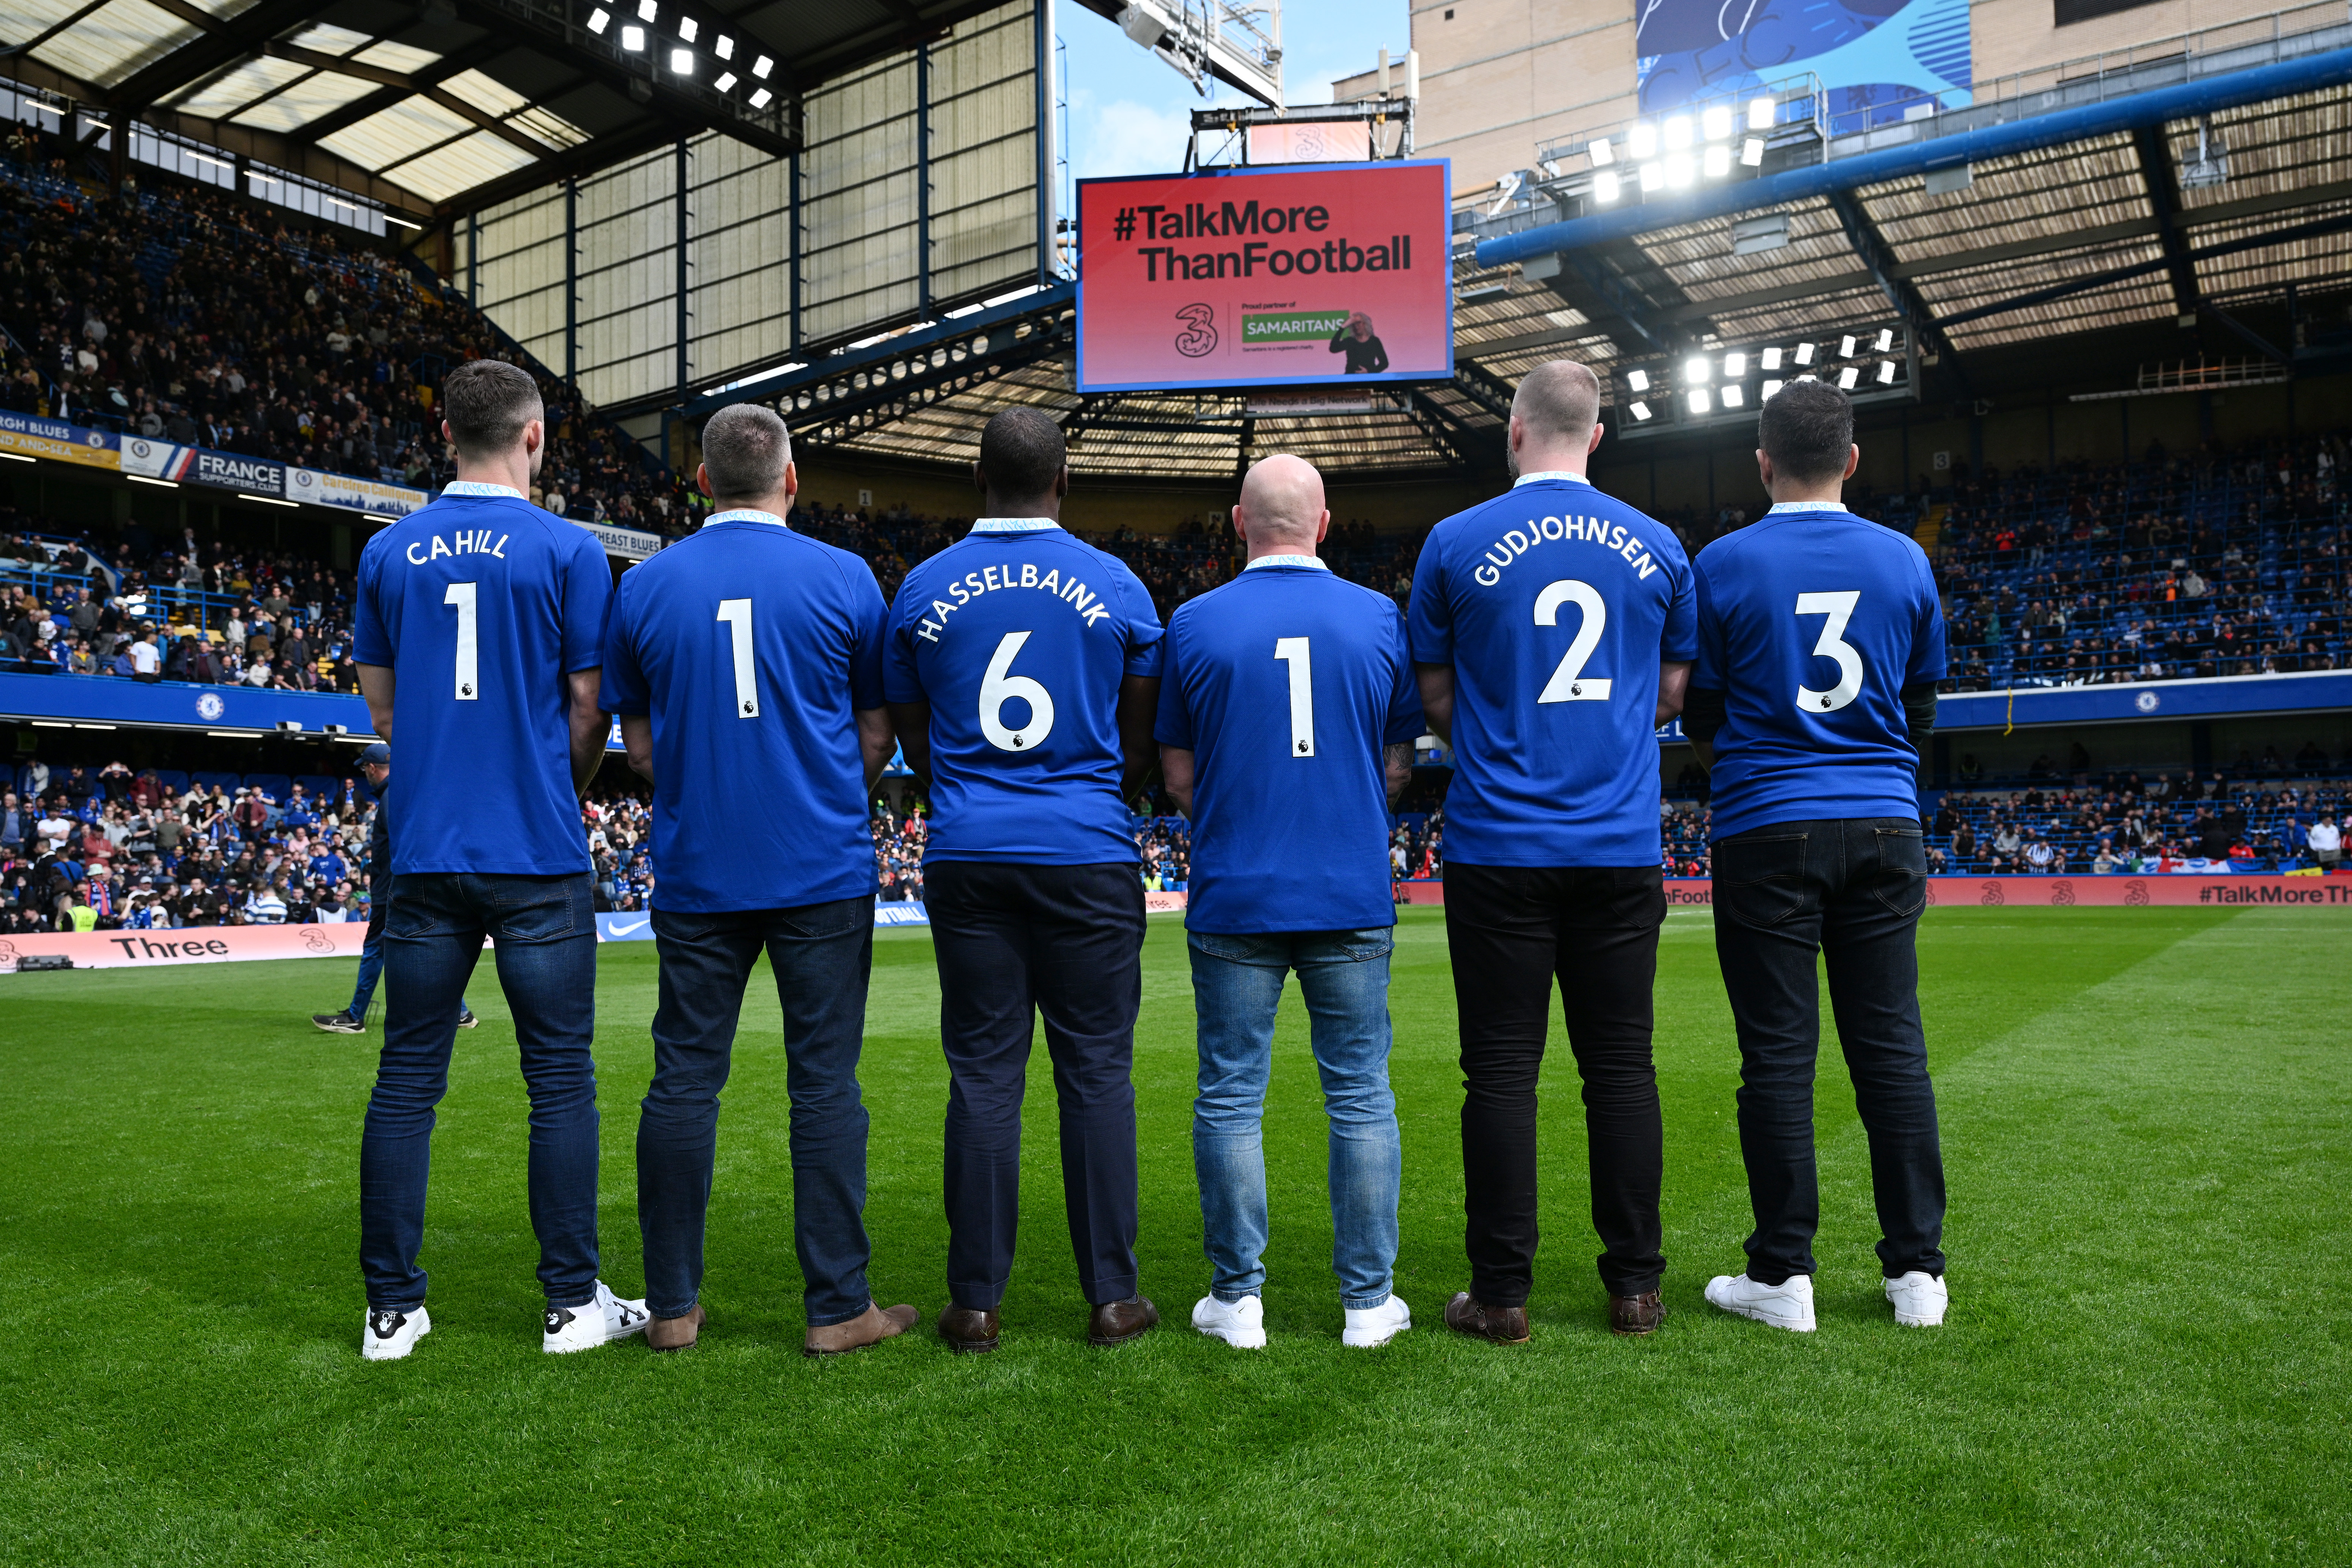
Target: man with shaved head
1553 629
1287 713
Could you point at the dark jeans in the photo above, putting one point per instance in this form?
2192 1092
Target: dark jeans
822 955
1511 930
1850 890
1013 943
546 956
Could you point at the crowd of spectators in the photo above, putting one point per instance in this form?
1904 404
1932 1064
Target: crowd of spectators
2124 824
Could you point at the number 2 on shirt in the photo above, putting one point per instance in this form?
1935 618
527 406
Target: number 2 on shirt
1838 608
1568 682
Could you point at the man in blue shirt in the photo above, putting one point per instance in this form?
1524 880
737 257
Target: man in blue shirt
1287 713
1023 674
1554 629
745 662
479 634
1821 642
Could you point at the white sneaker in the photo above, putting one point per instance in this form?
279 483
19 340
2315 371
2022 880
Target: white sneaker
390 1335
1370 1326
1240 1324
601 1321
1919 1300
1789 1305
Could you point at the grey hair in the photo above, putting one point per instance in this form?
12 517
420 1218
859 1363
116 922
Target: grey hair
746 447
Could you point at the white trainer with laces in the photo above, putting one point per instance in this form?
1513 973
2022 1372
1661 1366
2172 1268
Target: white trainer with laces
1919 1300
1787 1305
607 1318
1240 1324
390 1335
1368 1327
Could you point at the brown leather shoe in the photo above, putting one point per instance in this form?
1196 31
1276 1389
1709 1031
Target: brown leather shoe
968 1330
1503 1325
1636 1315
676 1334
870 1327
1115 1323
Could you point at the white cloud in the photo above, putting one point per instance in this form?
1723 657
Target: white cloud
1124 137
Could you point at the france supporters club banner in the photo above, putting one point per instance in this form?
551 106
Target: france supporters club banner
265 477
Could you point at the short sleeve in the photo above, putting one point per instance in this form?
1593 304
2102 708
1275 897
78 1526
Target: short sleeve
902 678
1405 720
869 632
1431 619
371 624
1927 651
625 688
1678 638
1145 636
587 589
1708 671
1174 726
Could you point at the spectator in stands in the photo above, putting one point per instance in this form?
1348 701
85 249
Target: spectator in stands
12 827
2326 839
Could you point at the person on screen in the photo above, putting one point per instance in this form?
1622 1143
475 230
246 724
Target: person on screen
1365 356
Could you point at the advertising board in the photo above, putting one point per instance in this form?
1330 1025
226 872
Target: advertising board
1239 278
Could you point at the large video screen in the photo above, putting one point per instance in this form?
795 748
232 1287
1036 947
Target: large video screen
1242 278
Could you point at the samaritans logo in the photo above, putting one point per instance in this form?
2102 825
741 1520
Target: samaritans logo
1292 327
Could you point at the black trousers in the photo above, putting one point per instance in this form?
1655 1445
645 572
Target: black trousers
1849 890
1512 931
1013 943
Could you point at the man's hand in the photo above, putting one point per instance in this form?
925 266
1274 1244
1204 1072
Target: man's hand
1176 776
1673 687
637 735
591 727
876 740
376 687
1396 765
1138 707
912 721
1437 698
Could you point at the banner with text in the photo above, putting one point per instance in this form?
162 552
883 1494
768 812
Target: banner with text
29 435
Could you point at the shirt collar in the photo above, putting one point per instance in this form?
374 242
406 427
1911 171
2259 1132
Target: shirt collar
1014 525
1287 560
480 487
1806 506
1549 474
746 514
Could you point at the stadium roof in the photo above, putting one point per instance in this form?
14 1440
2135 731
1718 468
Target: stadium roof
442 108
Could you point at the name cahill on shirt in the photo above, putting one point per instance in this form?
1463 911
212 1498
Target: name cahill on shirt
470 542
1088 603
1610 536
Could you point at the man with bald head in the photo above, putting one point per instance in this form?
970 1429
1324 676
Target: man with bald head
1553 630
1287 713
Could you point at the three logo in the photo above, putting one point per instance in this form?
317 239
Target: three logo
1199 335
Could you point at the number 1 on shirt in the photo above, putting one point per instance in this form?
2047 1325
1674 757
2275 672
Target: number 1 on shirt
469 654
737 613
1294 652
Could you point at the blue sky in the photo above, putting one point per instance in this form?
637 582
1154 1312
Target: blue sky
1130 111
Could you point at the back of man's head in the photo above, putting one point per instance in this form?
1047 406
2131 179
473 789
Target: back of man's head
1022 454
1807 429
486 402
1282 503
745 450
1558 401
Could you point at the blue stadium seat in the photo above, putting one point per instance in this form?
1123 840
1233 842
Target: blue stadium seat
277 786
174 780
228 782
318 787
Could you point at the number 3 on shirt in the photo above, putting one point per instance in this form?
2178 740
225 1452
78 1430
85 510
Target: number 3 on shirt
999 685
1568 682
1838 608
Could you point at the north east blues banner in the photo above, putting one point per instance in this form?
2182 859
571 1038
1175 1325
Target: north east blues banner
29 435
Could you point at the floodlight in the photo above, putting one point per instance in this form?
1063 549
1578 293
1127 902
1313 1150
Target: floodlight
1804 355
762 67
1641 140
1770 387
1696 368
1886 373
681 62
633 38
1760 114
725 47
1751 153
1640 411
1715 124
760 98
1733 397
1678 131
1599 152
647 10
1652 176
1606 187
687 28
1735 365
1848 376
1699 400
1809 377
598 20
1716 161
1846 346
1680 170
1769 359
1639 379
726 80
1885 340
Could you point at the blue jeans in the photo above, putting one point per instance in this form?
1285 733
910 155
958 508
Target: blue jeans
546 953
822 955
372 957
1236 985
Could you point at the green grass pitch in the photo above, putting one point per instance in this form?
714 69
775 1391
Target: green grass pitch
2146 1116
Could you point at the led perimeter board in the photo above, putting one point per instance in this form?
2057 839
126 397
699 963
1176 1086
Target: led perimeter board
1241 277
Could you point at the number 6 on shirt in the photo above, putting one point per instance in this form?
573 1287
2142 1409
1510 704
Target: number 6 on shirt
998 686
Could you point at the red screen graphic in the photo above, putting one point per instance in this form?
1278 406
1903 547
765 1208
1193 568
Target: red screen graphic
1252 278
